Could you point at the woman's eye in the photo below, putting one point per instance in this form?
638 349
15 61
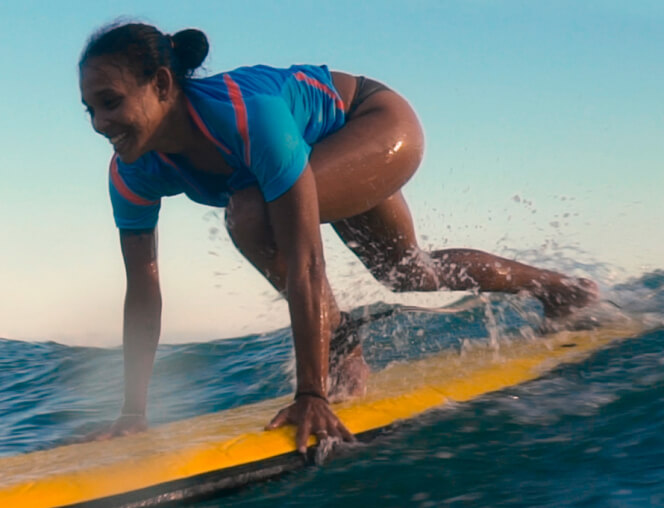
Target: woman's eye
112 103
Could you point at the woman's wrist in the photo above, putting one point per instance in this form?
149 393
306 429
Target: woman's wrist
131 415
132 410
304 393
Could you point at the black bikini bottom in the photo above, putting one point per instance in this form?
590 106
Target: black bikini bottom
364 88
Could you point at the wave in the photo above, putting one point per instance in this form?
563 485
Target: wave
536 444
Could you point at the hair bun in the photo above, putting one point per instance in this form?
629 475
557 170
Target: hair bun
190 47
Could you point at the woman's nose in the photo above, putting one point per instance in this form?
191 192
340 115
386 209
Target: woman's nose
99 123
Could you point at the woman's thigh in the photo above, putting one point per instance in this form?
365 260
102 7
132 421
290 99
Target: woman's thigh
369 159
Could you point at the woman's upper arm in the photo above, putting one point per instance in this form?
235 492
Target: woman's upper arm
139 250
295 219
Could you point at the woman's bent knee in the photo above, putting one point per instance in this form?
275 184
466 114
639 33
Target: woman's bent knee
413 272
246 220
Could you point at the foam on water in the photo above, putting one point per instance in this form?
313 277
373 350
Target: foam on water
590 433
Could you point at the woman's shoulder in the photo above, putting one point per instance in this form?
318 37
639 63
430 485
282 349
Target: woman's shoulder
256 79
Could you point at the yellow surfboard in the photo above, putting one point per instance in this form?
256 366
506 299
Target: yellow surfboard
210 453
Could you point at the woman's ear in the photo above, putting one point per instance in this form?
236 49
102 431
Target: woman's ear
164 83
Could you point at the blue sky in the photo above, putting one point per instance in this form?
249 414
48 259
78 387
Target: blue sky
544 124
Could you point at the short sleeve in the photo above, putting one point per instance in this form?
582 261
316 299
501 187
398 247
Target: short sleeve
278 152
131 209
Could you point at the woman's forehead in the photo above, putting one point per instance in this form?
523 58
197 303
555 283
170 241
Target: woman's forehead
103 72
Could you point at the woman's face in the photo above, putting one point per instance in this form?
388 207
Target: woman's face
129 114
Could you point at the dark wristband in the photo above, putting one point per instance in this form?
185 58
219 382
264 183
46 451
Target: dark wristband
311 394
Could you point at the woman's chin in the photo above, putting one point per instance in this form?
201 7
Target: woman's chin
128 156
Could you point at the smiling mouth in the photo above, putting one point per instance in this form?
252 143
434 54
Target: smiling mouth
119 141
116 139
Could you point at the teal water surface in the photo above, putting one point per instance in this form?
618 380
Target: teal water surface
586 434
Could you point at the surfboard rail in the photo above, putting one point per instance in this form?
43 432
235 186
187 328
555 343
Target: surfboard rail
220 452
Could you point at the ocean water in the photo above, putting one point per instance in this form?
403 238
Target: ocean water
585 434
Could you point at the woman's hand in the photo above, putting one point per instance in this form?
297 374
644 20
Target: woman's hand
312 416
125 425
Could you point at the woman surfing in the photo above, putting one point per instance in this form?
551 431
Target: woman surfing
283 150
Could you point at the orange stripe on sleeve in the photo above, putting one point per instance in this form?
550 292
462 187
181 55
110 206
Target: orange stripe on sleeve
122 188
240 114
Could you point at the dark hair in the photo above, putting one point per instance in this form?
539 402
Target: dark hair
144 49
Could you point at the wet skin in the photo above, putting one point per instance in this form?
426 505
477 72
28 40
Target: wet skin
353 181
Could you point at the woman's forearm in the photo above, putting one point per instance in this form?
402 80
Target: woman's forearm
295 222
310 318
142 325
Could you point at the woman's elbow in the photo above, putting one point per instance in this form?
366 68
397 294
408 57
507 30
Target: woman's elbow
309 267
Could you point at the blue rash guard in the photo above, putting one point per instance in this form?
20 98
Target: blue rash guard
263 121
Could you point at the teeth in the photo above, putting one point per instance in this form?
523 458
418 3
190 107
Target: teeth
116 139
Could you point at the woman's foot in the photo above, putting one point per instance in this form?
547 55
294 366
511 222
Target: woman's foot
563 298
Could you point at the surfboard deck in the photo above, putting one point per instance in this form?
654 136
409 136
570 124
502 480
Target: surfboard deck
213 453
